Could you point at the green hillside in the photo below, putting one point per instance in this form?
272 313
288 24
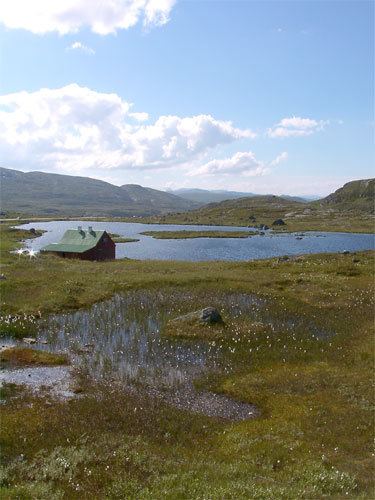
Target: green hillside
355 195
349 213
38 193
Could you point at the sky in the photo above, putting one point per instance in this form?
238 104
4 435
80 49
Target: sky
256 96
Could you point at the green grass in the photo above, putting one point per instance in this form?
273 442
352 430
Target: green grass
266 209
120 239
182 235
312 440
24 356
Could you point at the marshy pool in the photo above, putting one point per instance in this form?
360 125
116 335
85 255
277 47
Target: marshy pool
271 244
122 342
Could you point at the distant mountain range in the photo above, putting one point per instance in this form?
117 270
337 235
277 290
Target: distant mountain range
351 204
205 196
38 193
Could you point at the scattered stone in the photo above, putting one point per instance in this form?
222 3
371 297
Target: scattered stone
29 340
345 252
356 260
279 222
83 350
261 233
284 258
77 390
3 277
298 237
32 230
45 342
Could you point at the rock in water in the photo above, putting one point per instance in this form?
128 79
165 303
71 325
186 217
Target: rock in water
210 315
206 316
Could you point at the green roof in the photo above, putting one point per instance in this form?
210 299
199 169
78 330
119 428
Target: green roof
75 241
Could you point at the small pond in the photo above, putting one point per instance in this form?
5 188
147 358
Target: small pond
121 340
270 244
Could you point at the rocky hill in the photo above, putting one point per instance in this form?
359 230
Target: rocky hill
355 195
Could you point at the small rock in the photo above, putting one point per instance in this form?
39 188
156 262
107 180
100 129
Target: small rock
3 277
283 258
279 222
356 260
345 252
299 238
83 350
208 316
29 340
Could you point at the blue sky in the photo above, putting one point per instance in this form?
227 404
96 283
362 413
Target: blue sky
250 95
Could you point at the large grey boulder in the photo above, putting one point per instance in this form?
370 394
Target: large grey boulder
206 316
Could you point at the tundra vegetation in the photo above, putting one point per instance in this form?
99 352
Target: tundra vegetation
182 235
313 438
260 210
24 356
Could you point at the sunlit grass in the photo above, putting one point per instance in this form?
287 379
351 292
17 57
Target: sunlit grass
23 356
305 358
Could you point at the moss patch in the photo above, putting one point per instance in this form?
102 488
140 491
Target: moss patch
183 235
23 356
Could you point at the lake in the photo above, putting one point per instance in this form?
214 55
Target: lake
271 244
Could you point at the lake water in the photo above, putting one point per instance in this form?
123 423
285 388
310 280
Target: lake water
203 249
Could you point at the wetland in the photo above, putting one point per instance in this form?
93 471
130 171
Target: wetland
140 413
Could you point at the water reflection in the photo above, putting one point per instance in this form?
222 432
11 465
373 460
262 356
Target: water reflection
121 341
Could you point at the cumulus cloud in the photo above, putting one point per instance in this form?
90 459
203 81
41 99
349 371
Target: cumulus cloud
296 127
279 159
81 47
241 163
74 128
69 16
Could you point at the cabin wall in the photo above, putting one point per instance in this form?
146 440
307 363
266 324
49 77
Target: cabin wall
103 251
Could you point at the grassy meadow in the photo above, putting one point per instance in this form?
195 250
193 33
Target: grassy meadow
183 235
313 438
261 210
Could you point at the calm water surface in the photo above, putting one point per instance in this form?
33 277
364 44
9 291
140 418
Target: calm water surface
203 249
121 341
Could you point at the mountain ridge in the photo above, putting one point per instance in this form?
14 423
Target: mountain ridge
43 193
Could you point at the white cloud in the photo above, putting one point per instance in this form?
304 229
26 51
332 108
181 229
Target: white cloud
81 47
139 117
241 163
279 159
73 128
296 127
69 16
